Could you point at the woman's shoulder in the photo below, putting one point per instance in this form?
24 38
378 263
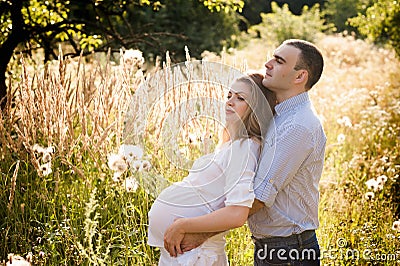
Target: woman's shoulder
246 143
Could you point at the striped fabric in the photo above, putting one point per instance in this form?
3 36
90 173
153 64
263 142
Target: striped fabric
289 171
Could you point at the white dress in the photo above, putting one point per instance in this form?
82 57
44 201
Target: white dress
219 179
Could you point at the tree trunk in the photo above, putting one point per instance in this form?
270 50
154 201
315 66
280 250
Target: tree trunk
17 35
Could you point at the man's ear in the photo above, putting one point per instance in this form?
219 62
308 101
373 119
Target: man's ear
302 76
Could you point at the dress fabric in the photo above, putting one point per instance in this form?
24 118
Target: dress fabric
223 178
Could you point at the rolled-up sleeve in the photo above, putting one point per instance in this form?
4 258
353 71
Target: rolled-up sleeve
239 172
280 159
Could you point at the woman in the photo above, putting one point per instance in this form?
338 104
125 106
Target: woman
218 192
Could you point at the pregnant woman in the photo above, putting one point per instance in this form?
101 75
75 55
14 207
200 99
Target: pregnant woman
218 192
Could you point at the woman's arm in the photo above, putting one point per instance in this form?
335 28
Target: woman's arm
220 220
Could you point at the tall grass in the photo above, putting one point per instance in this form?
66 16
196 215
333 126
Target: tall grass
78 215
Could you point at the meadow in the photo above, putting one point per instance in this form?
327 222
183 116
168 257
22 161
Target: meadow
68 197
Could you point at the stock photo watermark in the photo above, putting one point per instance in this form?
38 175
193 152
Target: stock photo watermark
340 252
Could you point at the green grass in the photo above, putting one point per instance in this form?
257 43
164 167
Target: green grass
78 215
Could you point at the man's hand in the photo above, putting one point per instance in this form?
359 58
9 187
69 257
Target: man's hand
173 237
257 205
194 240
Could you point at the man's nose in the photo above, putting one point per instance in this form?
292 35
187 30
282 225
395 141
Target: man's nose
268 64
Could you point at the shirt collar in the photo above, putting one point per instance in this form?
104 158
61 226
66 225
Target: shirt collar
292 103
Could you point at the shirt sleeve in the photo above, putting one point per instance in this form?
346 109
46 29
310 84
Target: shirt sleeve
280 161
240 170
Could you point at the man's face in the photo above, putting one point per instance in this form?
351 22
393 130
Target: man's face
280 73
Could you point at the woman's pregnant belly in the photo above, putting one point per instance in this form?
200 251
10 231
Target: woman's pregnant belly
162 215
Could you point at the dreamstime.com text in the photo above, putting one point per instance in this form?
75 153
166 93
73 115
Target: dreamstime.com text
339 253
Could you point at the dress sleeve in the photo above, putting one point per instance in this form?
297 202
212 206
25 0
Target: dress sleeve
240 166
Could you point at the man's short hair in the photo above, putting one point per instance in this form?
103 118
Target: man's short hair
310 59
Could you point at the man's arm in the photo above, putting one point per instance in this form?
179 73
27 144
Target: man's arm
223 219
257 205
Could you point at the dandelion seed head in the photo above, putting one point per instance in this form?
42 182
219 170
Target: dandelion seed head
116 163
370 195
136 165
372 184
382 179
341 138
344 121
145 165
117 176
131 185
37 148
133 58
46 157
130 152
396 225
45 169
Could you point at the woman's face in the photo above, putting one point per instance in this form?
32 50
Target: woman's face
236 105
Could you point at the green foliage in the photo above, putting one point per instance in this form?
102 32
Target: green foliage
339 11
281 24
180 23
381 23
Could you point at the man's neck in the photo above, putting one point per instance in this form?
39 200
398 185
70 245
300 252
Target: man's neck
283 96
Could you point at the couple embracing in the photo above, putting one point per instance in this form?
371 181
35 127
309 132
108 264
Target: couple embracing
267 170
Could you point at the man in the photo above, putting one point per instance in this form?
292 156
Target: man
284 215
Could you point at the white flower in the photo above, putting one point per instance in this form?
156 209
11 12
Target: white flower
341 138
382 178
45 169
146 165
372 184
133 58
344 121
396 225
46 157
369 195
116 176
37 148
136 166
15 260
116 163
130 152
131 185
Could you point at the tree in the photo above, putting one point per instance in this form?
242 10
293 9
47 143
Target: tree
86 25
381 23
339 11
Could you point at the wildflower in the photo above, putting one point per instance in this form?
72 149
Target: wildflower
344 121
370 195
145 165
116 163
136 166
372 184
37 148
131 185
46 157
16 260
396 225
341 138
130 152
46 169
382 178
116 176
133 58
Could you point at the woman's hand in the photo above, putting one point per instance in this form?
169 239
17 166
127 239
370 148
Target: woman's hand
173 237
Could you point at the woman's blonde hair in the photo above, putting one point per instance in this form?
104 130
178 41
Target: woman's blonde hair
255 121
